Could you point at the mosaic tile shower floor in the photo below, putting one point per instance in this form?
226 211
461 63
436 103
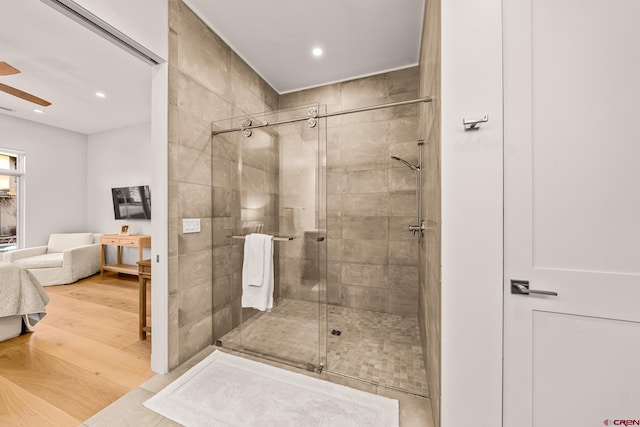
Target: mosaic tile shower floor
378 347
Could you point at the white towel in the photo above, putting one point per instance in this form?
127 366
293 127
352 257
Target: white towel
257 272
255 251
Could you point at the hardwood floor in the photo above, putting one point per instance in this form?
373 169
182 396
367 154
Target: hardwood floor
83 355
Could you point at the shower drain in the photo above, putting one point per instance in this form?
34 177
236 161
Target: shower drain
336 332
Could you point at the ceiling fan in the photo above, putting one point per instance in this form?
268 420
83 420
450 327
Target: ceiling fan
7 70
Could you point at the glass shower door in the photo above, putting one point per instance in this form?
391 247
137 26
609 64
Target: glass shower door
277 171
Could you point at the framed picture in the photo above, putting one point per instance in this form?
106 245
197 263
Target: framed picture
124 230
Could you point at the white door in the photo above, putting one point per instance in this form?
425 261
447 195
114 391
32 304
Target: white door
572 212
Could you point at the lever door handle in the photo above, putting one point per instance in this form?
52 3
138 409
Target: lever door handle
521 287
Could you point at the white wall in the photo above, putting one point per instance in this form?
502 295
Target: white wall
160 216
55 184
117 158
471 214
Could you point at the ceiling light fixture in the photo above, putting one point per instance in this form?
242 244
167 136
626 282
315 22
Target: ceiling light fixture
317 51
101 95
38 111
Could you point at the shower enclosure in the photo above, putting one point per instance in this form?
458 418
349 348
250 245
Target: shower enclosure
340 207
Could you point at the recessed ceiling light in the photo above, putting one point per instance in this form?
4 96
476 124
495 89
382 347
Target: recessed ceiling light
317 51
38 111
101 95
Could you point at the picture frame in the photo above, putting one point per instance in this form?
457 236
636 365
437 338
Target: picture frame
124 229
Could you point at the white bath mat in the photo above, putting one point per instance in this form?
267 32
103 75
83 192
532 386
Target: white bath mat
226 390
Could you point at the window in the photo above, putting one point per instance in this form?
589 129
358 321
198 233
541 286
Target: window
11 199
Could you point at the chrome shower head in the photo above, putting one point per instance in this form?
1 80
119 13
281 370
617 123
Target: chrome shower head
407 164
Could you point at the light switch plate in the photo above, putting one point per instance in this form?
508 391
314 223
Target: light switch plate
191 225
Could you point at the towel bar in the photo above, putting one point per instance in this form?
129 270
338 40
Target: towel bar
279 238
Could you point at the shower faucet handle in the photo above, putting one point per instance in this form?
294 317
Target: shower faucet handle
416 228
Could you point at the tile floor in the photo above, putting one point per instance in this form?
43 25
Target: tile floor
129 411
291 331
377 347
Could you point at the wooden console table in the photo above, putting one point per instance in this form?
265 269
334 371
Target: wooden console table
120 241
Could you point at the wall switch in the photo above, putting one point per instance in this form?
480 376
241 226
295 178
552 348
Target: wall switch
191 225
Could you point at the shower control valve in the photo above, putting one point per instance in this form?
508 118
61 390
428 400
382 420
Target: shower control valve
416 228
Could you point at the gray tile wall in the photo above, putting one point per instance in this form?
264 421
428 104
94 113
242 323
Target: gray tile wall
300 275
372 259
429 128
208 82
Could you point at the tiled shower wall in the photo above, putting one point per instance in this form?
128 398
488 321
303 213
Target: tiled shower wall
245 196
301 206
372 258
207 82
430 256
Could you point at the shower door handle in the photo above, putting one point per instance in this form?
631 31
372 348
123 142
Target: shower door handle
521 287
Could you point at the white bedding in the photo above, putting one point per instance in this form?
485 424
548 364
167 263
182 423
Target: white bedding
21 293
10 327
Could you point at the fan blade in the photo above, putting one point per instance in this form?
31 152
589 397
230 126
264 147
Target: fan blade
24 95
7 70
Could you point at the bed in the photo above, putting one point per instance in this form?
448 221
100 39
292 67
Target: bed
22 301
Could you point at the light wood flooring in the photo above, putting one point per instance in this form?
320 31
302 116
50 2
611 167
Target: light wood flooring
83 355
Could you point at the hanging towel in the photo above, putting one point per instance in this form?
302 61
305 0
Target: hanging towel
257 272
255 252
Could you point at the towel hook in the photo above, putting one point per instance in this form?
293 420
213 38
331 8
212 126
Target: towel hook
473 124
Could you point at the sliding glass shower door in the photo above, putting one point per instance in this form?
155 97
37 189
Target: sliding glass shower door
274 164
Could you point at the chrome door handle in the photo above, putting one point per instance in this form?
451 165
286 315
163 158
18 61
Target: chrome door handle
521 287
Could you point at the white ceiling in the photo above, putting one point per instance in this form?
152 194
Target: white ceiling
358 37
65 63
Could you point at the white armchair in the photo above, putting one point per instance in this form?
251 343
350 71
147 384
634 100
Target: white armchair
67 258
